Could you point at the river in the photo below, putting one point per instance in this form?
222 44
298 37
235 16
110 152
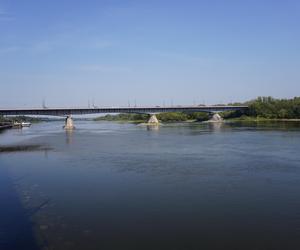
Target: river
122 186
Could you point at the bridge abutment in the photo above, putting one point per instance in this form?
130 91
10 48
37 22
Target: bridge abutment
69 124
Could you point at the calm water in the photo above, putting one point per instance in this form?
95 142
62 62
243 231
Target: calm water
184 186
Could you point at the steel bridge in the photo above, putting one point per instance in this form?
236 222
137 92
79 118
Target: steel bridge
138 110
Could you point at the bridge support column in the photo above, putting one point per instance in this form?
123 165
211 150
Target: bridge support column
69 124
216 118
153 120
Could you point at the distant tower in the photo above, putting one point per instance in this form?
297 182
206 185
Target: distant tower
44 104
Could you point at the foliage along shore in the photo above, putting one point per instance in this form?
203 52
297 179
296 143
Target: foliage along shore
163 117
260 109
13 119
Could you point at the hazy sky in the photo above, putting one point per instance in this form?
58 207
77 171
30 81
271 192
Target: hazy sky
112 52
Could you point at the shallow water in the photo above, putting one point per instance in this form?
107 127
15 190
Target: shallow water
180 186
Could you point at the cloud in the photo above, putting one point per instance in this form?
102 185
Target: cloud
104 68
5 16
31 48
186 57
56 43
69 41
9 49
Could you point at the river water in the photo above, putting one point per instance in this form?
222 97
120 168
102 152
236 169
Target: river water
180 186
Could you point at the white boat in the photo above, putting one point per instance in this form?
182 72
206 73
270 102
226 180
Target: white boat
21 124
17 125
26 124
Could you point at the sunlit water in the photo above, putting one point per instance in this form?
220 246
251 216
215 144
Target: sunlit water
181 186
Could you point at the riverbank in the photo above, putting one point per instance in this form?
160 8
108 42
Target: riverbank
168 117
3 127
178 117
12 119
260 119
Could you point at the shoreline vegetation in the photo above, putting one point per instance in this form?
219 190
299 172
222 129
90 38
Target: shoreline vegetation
12 119
260 109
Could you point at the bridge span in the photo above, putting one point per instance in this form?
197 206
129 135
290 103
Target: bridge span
145 110
140 110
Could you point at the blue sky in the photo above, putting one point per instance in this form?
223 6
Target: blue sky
152 52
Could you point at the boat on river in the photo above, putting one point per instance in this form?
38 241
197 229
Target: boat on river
21 124
26 124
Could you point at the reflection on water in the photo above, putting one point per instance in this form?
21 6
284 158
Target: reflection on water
216 126
179 186
69 136
153 127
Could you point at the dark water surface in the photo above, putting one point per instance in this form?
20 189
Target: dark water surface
183 186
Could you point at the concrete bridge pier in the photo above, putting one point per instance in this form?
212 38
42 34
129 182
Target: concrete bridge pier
69 124
216 118
153 120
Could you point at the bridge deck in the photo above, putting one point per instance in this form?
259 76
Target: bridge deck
82 111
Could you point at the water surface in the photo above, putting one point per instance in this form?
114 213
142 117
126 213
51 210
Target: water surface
182 186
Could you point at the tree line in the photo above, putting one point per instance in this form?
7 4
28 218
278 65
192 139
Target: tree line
268 108
22 118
